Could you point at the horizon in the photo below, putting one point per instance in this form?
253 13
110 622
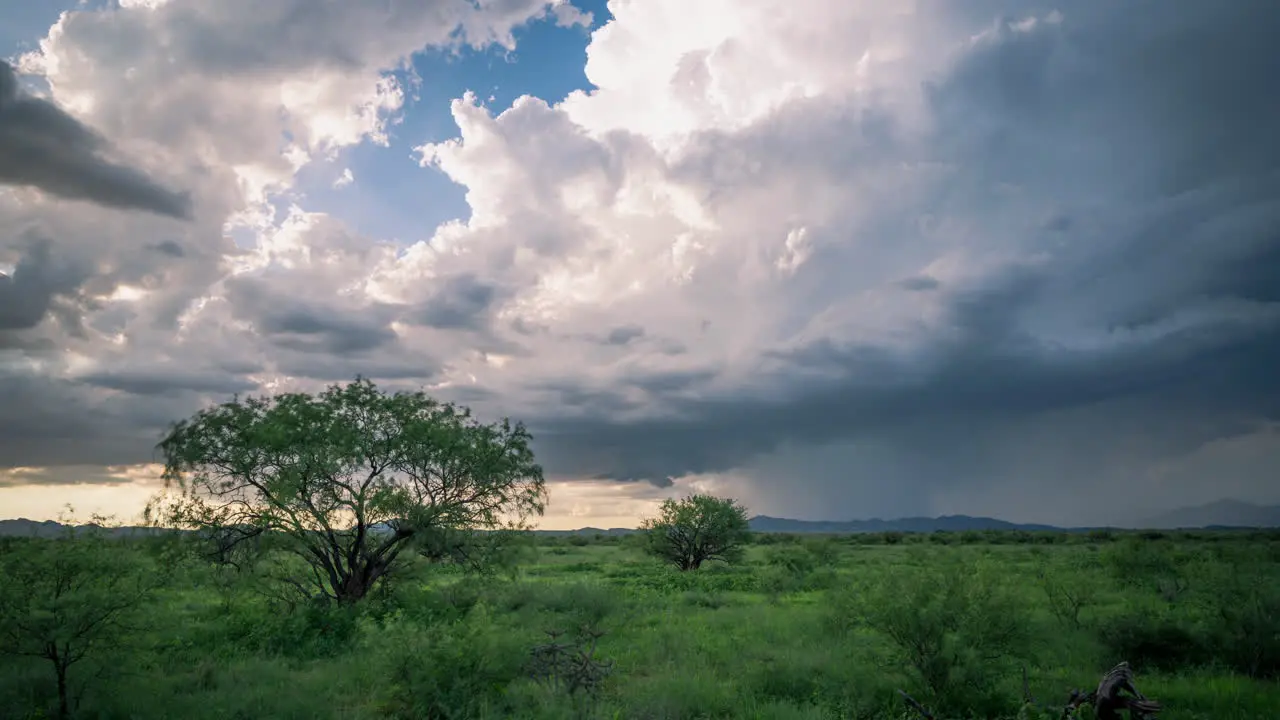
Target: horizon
1010 259
70 517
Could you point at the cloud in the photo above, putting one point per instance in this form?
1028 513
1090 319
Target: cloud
79 475
42 146
462 302
1098 257
36 283
308 327
157 381
113 324
624 334
1005 257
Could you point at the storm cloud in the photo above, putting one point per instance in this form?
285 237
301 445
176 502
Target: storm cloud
1142 326
44 147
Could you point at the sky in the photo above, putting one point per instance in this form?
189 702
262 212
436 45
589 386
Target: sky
835 259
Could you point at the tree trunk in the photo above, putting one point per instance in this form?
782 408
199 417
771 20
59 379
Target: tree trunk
352 591
356 586
64 702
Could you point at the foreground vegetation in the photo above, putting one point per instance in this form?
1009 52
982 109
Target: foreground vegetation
801 627
359 554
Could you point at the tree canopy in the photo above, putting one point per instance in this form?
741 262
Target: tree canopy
697 529
352 476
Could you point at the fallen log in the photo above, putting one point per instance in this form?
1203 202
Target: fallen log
1116 692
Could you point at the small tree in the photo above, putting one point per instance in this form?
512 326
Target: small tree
63 599
697 529
349 477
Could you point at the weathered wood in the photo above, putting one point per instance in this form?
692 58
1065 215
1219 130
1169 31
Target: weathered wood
1116 692
1110 698
915 705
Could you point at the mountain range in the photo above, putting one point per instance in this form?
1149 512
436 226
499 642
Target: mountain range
1220 514
1223 513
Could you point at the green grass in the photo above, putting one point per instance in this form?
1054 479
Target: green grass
803 628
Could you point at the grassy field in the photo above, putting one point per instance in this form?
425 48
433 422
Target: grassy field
804 628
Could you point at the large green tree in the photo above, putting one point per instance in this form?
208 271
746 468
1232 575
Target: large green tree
352 476
697 529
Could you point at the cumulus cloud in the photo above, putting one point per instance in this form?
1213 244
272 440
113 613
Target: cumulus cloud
838 259
42 146
113 324
966 245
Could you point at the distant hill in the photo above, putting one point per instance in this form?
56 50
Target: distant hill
587 531
23 527
953 523
1223 513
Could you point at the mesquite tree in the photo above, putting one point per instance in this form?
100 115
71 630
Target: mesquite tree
697 529
67 599
351 477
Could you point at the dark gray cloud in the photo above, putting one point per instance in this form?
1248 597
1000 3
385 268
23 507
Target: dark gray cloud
50 422
73 475
44 147
165 381
170 248
920 283
624 334
461 303
343 369
39 278
312 327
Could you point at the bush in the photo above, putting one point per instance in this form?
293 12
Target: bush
1155 565
957 631
1244 629
1153 640
793 559
450 671
309 630
825 551
1068 596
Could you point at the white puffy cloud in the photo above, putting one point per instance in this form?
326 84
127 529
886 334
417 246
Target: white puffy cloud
1007 257
124 321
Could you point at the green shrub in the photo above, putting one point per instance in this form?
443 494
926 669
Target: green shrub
1244 629
580 602
310 630
1151 640
826 551
957 630
451 670
796 560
